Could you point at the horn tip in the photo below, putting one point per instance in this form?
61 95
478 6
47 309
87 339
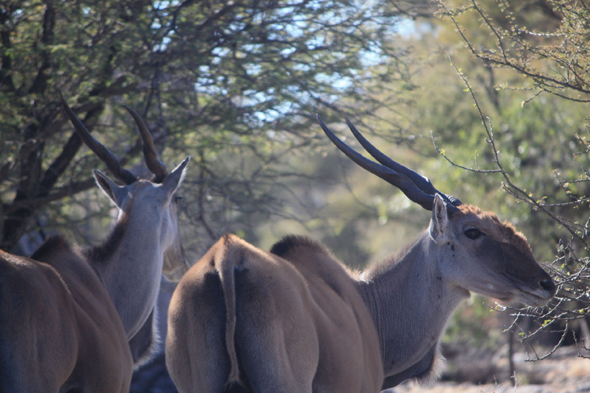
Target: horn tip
129 109
319 119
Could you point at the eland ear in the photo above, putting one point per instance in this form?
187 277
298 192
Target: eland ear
175 178
113 191
439 224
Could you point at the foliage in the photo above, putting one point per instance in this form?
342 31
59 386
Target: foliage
232 83
544 41
544 156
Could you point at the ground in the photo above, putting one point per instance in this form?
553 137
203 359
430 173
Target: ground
564 372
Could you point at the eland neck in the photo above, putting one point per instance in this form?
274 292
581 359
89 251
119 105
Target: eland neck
129 264
410 303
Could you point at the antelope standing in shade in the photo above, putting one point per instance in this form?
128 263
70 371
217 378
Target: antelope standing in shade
297 320
78 321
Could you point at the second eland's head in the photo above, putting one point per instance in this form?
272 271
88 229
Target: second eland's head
477 252
482 254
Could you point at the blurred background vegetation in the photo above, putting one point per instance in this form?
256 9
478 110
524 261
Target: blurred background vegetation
501 87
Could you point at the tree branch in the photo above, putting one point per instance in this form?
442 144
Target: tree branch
40 82
57 194
5 76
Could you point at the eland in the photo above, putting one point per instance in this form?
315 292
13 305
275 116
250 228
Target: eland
295 319
79 320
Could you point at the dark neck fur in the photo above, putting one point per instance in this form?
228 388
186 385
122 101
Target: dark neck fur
104 251
290 242
52 245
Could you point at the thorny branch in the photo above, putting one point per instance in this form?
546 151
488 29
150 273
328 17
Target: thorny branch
571 305
511 41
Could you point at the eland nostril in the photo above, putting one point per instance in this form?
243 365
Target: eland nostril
548 285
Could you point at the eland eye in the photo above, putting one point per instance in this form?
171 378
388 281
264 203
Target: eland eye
473 233
177 198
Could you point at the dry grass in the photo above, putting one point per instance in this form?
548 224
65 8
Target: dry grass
562 373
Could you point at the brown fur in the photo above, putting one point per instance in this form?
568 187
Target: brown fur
292 242
63 331
504 232
284 325
53 244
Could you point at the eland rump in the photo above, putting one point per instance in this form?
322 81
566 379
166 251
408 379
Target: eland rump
297 320
78 321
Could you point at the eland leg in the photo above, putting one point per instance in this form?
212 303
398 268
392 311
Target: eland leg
196 354
275 337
